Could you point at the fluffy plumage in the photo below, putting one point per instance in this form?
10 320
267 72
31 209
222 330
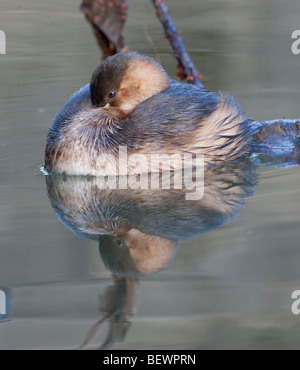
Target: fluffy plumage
180 119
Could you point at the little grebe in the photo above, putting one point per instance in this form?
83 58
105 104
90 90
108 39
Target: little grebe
131 102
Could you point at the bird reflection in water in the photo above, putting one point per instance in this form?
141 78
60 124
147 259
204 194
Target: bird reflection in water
139 231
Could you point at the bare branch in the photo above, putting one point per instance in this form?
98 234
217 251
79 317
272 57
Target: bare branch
186 68
107 18
287 124
266 131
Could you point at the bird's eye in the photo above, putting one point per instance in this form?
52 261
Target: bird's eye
120 243
112 94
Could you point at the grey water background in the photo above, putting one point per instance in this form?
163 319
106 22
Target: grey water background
227 289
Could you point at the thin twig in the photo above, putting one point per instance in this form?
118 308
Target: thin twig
123 298
93 332
186 68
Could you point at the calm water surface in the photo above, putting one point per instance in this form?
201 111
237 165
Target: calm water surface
227 288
